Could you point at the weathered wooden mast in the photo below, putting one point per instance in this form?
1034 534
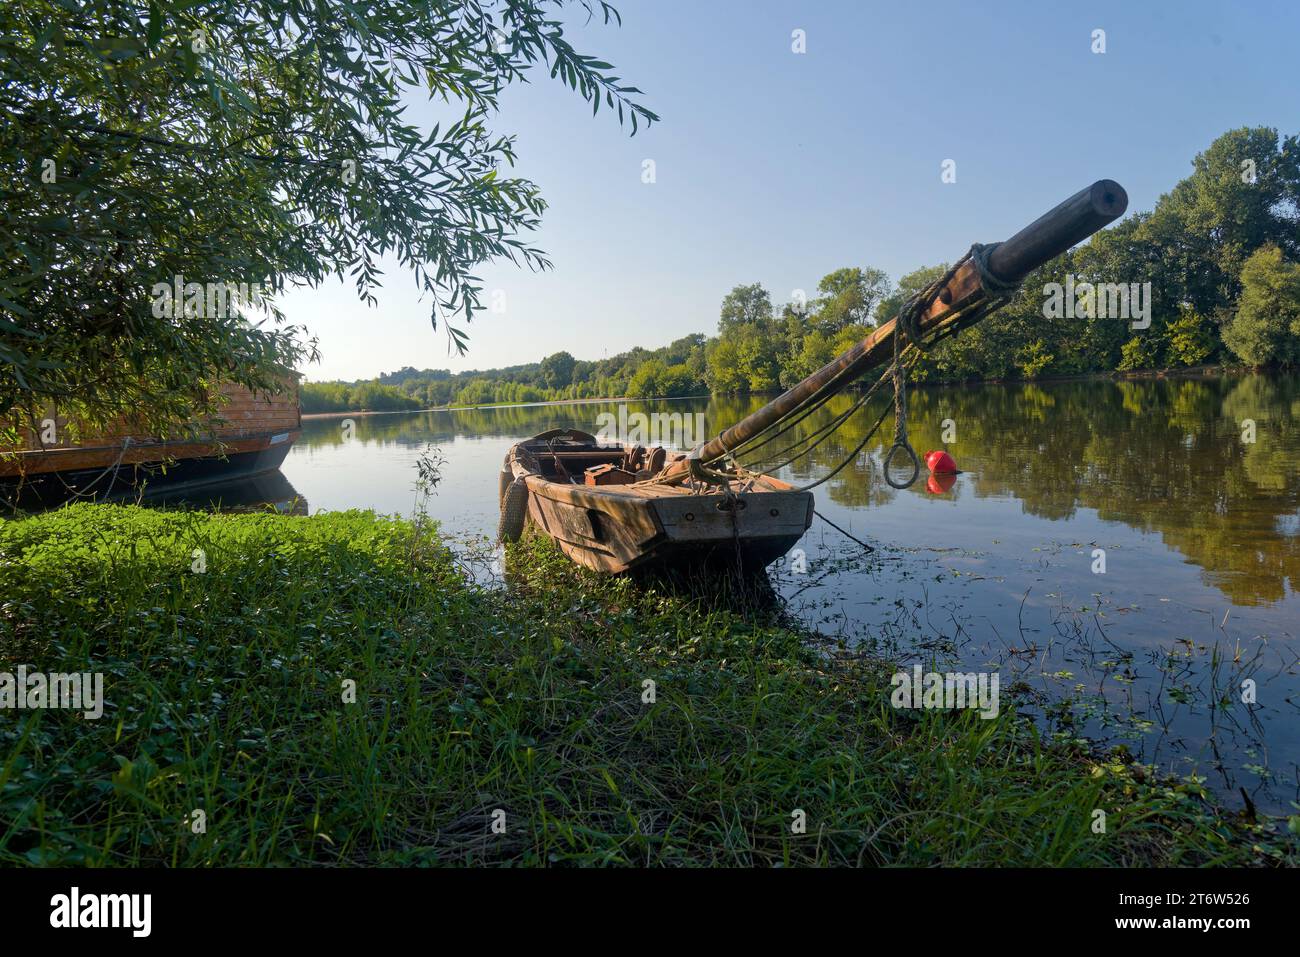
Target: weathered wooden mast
1047 237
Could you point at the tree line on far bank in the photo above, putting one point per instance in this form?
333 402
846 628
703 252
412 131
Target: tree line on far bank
1221 252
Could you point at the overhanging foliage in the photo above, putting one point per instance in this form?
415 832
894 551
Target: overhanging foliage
261 142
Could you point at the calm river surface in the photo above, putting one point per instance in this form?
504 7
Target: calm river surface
1200 531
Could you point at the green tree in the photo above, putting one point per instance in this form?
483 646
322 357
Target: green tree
1139 352
907 287
1033 358
264 142
681 350
325 397
645 383
1244 193
758 352
814 351
376 397
1266 326
557 370
679 380
1189 339
745 305
724 372
848 297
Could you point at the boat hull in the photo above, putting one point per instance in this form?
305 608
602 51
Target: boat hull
252 436
164 468
619 528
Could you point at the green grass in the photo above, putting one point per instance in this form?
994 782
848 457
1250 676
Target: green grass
224 692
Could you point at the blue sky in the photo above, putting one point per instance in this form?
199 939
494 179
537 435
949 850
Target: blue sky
777 167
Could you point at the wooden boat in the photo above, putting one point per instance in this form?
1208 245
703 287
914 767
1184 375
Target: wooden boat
613 508
616 519
252 437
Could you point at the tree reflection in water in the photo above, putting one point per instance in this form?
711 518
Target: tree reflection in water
1201 532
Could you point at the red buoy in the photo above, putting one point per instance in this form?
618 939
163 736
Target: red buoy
940 463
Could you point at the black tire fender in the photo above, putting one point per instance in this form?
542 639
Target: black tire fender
514 509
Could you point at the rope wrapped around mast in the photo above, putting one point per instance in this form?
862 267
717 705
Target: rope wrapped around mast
908 345
986 282
907 326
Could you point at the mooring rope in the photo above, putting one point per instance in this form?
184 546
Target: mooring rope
848 535
814 438
907 326
899 376
909 344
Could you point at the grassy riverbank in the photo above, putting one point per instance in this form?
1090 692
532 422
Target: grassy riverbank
225 688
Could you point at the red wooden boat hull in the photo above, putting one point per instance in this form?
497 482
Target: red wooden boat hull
253 436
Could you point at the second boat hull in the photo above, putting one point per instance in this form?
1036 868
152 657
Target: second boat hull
107 475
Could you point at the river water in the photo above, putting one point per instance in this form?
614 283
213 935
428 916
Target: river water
1129 548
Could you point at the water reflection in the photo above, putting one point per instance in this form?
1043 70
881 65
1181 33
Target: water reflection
256 493
997 567
1187 487
270 491
1161 456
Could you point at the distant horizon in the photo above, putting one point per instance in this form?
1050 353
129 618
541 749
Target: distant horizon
528 362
